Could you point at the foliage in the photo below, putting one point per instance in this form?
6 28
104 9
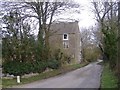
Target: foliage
61 56
21 68
53 64
55 60
14 68
91 54
107 17
10 82
21 52
109 22
110 46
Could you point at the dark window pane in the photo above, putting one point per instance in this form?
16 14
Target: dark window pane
65 36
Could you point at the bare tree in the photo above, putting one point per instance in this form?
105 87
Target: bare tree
86 39
43 12
104 11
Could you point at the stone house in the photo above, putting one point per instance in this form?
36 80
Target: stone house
66 36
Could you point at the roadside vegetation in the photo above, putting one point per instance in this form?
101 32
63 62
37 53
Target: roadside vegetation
108 79
23 52
91 53
89 49
108 18
12 82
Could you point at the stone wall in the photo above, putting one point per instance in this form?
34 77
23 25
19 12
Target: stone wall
56 39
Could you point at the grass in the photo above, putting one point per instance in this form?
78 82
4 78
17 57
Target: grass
6 83
108 80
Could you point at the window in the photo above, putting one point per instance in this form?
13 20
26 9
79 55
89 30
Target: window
65 36
66 44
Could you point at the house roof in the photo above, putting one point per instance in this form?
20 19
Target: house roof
65 27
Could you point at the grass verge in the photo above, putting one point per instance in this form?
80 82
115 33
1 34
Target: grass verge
108 80
7 83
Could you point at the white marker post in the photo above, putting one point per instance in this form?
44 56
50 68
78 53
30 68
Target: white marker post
18 79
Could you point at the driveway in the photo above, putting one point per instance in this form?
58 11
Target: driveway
86 77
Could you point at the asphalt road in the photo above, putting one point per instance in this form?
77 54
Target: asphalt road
86 77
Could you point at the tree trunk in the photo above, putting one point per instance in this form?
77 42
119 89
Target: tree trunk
47 45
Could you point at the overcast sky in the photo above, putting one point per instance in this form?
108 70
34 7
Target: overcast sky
86 15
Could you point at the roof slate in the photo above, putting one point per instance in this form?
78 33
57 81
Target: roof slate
65 27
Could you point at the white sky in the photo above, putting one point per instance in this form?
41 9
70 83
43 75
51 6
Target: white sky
86 15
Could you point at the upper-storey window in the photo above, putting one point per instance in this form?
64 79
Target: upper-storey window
65 36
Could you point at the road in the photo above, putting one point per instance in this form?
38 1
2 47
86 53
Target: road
86 77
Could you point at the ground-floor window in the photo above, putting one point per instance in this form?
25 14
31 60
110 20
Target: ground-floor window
66 44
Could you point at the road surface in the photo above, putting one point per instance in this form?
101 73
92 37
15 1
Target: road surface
86 77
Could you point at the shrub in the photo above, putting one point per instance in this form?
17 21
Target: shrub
55 60
13 68
54 64
21 68
91 54
67 59
39 66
